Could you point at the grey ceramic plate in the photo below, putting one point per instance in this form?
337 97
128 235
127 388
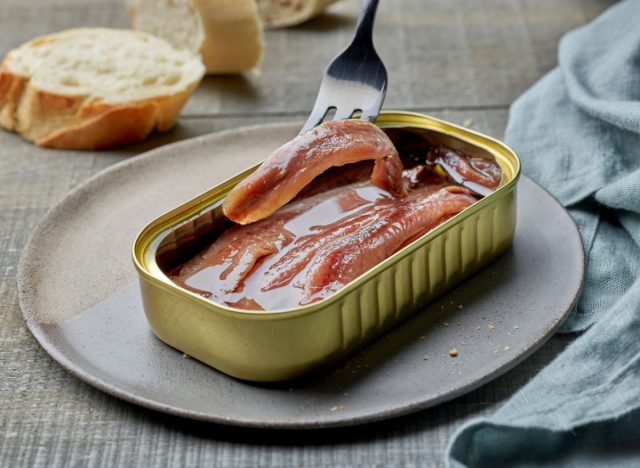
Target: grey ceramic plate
79 296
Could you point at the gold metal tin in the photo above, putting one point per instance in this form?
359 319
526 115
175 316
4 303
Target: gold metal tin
280 345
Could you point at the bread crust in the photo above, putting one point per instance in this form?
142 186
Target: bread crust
80 122
11 88
232 39
232 35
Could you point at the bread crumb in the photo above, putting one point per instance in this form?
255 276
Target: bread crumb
460 306
186 356
426 357
337 408
516 327
491 326
445 324
453 352
478 327
507 348
467 123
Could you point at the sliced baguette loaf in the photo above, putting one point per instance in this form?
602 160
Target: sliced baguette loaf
282 13
226 33
94 88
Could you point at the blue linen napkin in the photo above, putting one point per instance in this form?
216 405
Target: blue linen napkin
577 132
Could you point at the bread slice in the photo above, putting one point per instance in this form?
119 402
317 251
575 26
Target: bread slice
282 13
94 88
227 33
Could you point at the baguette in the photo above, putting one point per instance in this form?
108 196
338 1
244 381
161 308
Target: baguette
226 33
94 88
282 13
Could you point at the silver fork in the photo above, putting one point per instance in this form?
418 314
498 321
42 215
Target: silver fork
355 80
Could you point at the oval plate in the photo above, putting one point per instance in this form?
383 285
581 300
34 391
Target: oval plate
80 299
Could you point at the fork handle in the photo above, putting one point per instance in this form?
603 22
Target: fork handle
364 27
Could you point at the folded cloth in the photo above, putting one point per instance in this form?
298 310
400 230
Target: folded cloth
577 132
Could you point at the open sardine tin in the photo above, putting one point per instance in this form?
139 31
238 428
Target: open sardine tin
279 345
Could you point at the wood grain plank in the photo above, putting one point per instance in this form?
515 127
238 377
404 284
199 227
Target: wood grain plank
438 54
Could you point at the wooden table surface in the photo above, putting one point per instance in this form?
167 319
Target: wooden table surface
464 61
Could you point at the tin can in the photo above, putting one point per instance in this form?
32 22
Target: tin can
269 346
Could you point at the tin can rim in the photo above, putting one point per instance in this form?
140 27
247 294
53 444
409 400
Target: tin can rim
506 157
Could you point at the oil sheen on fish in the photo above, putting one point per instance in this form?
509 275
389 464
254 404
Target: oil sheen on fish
341 225
294 165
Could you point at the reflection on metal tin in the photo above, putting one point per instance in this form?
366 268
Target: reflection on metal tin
284 344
